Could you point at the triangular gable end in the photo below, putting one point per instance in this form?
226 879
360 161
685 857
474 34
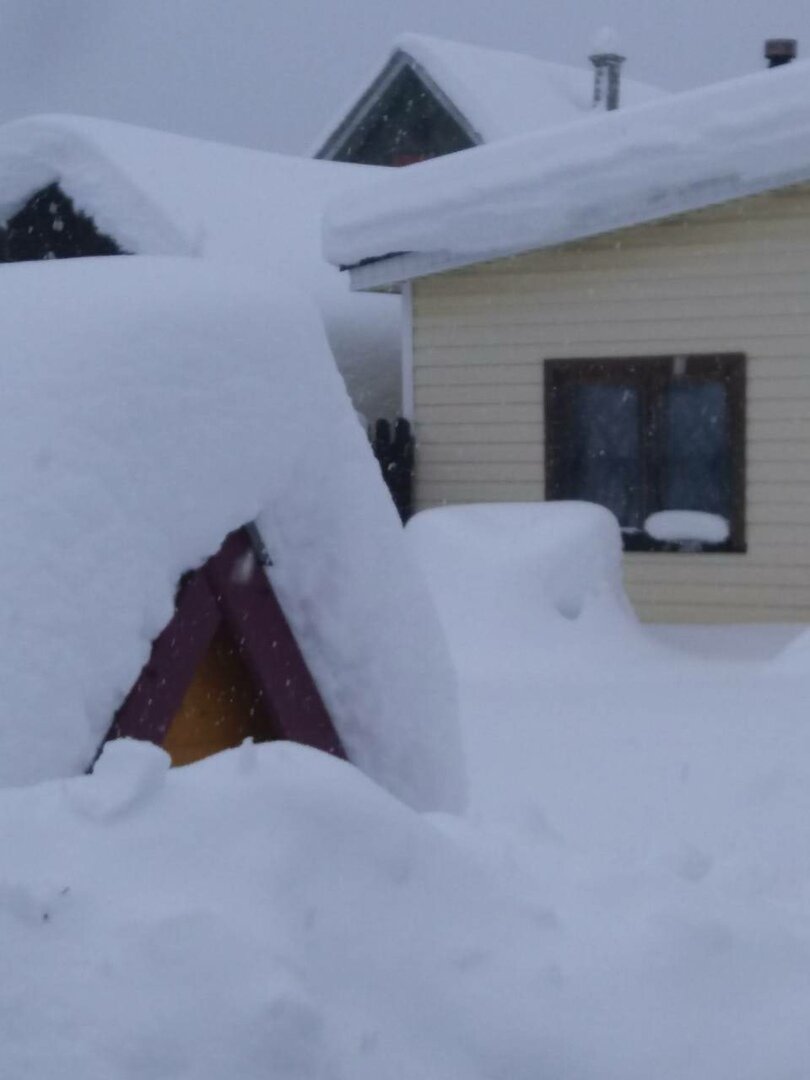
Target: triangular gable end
226 667
48 226
402 118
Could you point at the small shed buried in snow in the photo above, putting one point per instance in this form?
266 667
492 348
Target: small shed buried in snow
226 667
150 409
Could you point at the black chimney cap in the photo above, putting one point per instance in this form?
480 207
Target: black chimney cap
779 51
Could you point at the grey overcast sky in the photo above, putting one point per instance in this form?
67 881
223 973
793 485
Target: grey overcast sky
274 73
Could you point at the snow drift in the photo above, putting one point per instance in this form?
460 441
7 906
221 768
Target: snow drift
658 802
147 408
524 584
267 912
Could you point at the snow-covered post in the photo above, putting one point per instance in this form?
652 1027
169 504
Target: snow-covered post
607 62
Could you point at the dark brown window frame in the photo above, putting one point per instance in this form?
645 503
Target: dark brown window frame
653 374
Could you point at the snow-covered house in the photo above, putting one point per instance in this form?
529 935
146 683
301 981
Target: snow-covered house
618 311
150 408
79 186
433 97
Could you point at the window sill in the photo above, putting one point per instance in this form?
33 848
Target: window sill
633 542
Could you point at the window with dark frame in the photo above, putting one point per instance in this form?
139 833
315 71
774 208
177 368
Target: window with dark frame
650 434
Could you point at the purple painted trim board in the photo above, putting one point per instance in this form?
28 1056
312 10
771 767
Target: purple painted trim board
234 588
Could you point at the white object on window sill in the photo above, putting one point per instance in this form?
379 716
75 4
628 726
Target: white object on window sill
687 527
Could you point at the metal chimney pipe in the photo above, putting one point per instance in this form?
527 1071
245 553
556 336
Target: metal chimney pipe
607 80
780 51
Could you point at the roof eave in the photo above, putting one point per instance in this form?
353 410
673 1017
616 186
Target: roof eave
392 271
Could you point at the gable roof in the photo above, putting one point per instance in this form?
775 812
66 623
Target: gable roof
160 194
492 94
684 152
150 406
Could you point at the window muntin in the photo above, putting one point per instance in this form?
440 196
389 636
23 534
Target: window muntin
648 434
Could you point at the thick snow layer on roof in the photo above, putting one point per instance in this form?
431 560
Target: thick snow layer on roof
147 408
507 93
688 150
162 194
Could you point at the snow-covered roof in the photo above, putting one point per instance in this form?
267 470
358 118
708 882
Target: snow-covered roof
162 194
686 151
147 408
496 94
507 93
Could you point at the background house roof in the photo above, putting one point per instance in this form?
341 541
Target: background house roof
682 152
508 93
148 407
497 93
162 194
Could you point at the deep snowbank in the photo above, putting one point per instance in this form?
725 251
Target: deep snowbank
268 912
147 408
660 802
526 586
626 900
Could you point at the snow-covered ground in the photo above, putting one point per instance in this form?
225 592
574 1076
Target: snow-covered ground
266 913
731 642
626 897
659 798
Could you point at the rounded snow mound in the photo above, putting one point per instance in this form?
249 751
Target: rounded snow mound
266 912
521 583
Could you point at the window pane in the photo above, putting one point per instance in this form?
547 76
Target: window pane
697 471
604 444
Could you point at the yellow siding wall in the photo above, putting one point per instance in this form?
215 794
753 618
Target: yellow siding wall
733 279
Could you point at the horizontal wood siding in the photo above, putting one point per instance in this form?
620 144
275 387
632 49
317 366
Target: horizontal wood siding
731 279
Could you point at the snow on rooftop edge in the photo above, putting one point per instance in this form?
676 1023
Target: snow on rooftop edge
605 172
148 407
158 193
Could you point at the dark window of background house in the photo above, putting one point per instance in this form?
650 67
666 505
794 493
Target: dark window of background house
649 434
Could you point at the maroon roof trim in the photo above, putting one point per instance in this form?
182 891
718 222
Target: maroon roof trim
176 654
254 615
232 586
